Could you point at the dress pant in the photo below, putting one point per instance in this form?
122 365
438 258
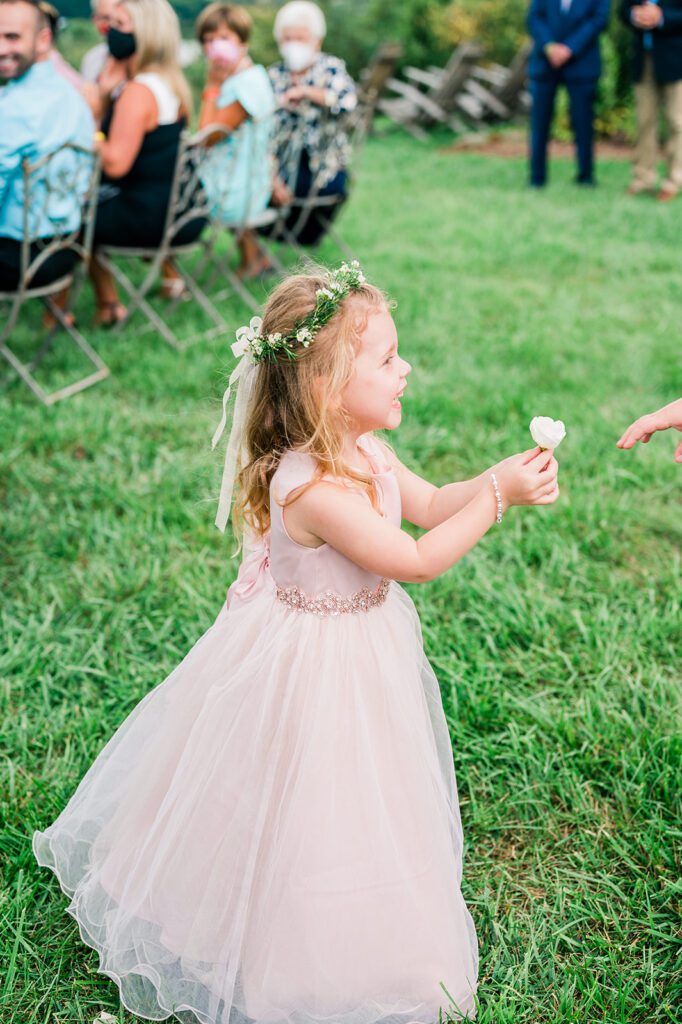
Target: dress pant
58 265
650 97
581 95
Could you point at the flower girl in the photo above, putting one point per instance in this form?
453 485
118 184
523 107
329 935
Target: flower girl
273 834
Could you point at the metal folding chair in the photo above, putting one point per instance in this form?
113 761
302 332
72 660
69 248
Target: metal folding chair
49 186
209 145
295 216
187 203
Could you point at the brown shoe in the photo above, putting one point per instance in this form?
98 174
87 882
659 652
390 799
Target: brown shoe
666 194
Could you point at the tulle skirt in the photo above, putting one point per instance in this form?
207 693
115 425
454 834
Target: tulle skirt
273 834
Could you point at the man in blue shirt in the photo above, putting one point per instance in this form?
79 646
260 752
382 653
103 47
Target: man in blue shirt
657 28
39 112
566 52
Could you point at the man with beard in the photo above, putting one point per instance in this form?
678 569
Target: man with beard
39 112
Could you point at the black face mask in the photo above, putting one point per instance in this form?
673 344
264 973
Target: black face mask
121 44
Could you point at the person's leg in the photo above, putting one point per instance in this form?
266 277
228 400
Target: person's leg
672 98
581 99
109 309
543 92
10 264
255 260
646 144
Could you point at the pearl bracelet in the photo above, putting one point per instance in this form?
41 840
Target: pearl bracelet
498 498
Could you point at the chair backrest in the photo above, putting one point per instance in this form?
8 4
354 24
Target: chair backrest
187 201
60 197
229 166
289 145
455 74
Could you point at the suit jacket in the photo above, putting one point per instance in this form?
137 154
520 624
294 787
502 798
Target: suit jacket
667 42
578 28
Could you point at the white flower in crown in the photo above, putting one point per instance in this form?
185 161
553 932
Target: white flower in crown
303 335
324 293
246 336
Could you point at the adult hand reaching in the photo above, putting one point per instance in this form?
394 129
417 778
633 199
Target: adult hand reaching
669 417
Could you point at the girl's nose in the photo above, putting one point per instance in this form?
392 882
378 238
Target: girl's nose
406 368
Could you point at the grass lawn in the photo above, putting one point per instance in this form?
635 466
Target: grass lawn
556 642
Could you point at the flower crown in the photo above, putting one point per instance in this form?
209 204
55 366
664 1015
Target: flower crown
260 347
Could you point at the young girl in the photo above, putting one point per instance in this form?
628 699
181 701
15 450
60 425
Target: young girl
273 834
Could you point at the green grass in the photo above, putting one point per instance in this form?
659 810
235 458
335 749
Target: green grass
556 642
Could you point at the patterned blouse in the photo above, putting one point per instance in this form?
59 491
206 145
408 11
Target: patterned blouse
325 129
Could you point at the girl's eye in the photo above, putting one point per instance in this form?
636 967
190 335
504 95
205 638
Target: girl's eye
389 360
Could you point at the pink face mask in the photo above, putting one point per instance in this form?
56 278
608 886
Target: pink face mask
224 51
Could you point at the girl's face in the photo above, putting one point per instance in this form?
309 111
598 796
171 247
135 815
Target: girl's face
371 399
221 32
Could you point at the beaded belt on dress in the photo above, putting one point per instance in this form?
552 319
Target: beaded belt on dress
330 603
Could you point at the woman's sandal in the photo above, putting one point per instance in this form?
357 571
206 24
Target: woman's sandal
109 314
174 288
51 323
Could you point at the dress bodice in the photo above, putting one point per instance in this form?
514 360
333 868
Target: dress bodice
322 569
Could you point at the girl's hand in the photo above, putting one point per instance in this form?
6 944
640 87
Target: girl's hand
529 478
217 73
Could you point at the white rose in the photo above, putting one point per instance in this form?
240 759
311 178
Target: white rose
546 432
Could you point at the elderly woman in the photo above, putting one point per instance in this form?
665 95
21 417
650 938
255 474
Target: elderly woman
315 97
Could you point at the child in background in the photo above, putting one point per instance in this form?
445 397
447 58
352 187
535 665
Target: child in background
238 173
273 834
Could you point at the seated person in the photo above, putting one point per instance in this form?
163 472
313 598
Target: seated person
87 89
142 134
39 112
237 173
94 60
315 95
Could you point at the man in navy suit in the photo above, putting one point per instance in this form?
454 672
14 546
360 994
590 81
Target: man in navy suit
566 52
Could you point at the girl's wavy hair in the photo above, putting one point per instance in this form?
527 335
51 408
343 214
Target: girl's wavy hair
296 402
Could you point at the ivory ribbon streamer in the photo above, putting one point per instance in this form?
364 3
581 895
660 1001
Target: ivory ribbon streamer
242 379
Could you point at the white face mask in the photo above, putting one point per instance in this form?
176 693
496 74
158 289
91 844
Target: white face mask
297 56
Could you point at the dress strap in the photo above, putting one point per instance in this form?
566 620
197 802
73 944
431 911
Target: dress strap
167 103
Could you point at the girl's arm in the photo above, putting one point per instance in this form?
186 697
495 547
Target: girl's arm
326 511
230 116
426 505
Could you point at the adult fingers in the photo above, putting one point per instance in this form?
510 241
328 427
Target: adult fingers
630 436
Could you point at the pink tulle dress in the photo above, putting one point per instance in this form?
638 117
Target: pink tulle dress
273 834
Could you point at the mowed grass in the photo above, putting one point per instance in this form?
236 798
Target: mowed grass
556 642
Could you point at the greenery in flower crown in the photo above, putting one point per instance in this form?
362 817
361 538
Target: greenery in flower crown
260 347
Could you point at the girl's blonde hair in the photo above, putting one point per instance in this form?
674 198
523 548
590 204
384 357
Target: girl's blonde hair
157 38
296 402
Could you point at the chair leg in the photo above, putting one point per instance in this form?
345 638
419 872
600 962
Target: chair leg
138 298
24 370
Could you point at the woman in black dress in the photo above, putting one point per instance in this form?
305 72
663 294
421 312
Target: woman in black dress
150 104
